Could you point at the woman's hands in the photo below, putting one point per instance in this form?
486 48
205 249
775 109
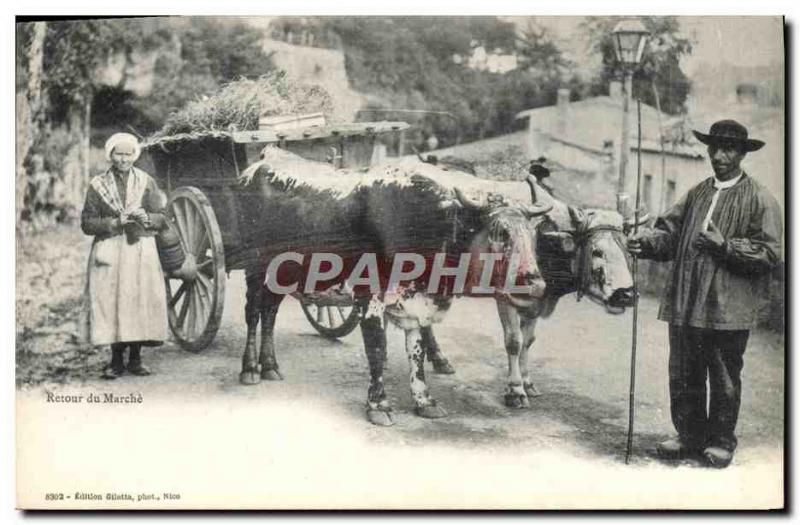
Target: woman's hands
139 215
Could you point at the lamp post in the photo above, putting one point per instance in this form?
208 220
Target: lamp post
630 38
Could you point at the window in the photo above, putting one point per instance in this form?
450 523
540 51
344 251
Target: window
670 193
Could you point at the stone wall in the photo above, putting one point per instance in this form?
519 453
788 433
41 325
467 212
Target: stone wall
321 66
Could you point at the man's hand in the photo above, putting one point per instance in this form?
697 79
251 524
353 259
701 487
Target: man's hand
634 243
710 240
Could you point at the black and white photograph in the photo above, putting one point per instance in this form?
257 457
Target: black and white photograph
306 262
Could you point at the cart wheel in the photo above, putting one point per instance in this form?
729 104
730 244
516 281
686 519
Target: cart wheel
331 321
196 292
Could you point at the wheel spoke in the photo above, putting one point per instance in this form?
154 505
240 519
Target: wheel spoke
207 268
319 313
178 294
201 304
202 279
182 228
329 315
191 223
192 322
182 314
201 242
188 216
341 314
208 294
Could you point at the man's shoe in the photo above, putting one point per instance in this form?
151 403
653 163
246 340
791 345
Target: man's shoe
673 449
717 457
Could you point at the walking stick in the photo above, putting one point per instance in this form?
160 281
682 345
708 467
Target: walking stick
632 392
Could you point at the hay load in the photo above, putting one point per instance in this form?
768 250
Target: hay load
241 104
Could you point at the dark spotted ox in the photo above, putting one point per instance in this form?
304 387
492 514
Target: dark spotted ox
297 206
586 255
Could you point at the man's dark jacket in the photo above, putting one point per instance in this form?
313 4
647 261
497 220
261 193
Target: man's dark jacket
723 290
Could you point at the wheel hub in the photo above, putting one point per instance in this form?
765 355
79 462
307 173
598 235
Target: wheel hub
188 270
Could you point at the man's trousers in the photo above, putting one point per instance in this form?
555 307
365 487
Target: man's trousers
695 354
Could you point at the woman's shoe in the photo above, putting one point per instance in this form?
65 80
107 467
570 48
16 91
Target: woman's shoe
135 365
138 369
111 371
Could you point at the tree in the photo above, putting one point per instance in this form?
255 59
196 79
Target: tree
29 108
420 63
64 92
538 53
660 69
201 56
73 52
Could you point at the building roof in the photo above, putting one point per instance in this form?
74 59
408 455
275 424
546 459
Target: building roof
591 122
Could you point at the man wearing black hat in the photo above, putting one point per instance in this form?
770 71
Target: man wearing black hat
724 239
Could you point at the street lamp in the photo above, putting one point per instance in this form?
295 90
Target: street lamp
630 38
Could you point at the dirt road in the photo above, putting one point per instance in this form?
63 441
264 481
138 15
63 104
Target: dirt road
580 364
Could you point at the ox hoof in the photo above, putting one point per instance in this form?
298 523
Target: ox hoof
443 366
271 375
249 377
381 418
430 411
517 401
531 390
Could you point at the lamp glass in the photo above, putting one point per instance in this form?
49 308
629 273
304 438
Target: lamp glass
629 47
629 39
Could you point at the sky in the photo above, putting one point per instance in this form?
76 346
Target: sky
745 41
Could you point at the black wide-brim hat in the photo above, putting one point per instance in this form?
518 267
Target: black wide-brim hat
729 132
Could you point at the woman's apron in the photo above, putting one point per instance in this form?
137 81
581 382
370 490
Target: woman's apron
126 292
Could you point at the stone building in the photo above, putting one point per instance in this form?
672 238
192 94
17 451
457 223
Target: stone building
582 140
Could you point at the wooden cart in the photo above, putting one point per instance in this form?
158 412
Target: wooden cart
199 173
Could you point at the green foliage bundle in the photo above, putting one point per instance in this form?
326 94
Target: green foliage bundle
242 102
203 55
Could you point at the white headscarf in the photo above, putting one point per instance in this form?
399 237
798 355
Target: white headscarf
122 138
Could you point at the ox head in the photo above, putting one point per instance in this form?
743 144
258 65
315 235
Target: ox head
510 233
604 265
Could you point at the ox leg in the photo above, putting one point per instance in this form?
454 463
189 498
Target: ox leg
515 396
434 354
252 312
269 312
425 405
374 333
528 325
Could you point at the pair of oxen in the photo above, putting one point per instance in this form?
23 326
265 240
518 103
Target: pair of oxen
397 210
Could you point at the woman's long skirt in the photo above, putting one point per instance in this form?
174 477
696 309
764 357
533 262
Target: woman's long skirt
126 293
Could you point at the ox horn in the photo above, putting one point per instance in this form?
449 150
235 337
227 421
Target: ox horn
466 202
532 183
630 222
577 215
534 210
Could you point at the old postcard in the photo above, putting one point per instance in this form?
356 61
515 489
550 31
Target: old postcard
491 262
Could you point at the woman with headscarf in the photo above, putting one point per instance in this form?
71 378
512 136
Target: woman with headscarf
125 285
